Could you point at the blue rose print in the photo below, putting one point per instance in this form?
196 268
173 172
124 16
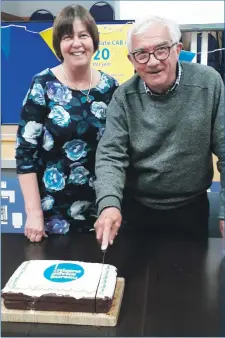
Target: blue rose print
103 84
31 131
98 109
75 149
84 121
44 72
53 179
26 97
17 142
78 175
92 211
47 202
35 156
116 83
59 93
91 181
60 116
57 225
84 98
100 133
27 166
48 142
37 94
77 208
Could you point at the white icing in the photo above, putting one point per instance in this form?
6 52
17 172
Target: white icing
29 280
106 285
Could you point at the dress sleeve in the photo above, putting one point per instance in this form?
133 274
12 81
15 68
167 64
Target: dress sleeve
115 84
29 133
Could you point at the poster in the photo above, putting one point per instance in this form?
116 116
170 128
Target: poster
112 54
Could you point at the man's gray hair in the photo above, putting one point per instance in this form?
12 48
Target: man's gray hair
143 24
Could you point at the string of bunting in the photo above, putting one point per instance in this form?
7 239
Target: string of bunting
111 31
18 26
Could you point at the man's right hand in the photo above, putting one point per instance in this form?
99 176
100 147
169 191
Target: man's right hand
34 227
107 226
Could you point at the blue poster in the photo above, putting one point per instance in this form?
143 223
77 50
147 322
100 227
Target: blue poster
23 54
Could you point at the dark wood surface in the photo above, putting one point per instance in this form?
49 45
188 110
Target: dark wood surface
174 287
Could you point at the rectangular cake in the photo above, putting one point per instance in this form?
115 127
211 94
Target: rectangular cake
54 285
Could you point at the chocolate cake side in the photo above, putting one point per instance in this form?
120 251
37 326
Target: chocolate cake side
103 305
53 302
84 305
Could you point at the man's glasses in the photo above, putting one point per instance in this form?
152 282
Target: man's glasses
160 53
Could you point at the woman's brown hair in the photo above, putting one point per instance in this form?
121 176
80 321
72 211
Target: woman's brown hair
63 25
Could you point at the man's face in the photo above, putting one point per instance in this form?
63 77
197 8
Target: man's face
158 75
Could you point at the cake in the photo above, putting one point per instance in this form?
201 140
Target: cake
54 285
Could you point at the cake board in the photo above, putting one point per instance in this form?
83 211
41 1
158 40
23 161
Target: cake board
71 318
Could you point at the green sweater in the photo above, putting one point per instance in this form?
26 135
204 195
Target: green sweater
160 147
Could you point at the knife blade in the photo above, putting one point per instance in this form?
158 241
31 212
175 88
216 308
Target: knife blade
103 257
103 262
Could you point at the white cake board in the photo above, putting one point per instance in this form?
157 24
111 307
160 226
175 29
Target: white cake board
71 318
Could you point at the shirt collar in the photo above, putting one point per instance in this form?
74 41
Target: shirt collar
176 83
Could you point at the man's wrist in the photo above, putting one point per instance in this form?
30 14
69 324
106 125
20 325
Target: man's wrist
108 202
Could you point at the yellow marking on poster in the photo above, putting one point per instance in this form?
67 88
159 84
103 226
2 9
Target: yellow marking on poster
47 37
112 54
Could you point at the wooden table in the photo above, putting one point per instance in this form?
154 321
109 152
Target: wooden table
174 287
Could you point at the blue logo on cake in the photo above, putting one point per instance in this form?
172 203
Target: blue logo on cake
63 272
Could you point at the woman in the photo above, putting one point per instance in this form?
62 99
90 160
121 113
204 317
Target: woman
62 120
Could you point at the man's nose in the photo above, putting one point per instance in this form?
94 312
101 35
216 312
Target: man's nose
152 62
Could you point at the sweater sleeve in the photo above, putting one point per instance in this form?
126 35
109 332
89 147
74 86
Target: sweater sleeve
112 157
30 129
218 139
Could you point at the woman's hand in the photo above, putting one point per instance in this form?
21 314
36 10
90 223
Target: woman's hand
222 224
34 227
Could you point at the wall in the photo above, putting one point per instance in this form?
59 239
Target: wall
26 8
184 12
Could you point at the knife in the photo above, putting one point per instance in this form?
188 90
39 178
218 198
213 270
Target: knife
103 262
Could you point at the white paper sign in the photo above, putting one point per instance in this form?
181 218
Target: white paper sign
3 185
10 194
4 214
17 219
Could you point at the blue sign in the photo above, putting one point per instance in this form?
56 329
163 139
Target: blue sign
186 56
63 272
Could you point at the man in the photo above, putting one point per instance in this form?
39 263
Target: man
162 127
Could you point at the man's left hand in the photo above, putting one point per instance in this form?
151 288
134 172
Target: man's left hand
222 225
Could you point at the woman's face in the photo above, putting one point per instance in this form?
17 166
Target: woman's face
77 49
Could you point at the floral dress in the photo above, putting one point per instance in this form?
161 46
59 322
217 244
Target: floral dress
57 137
